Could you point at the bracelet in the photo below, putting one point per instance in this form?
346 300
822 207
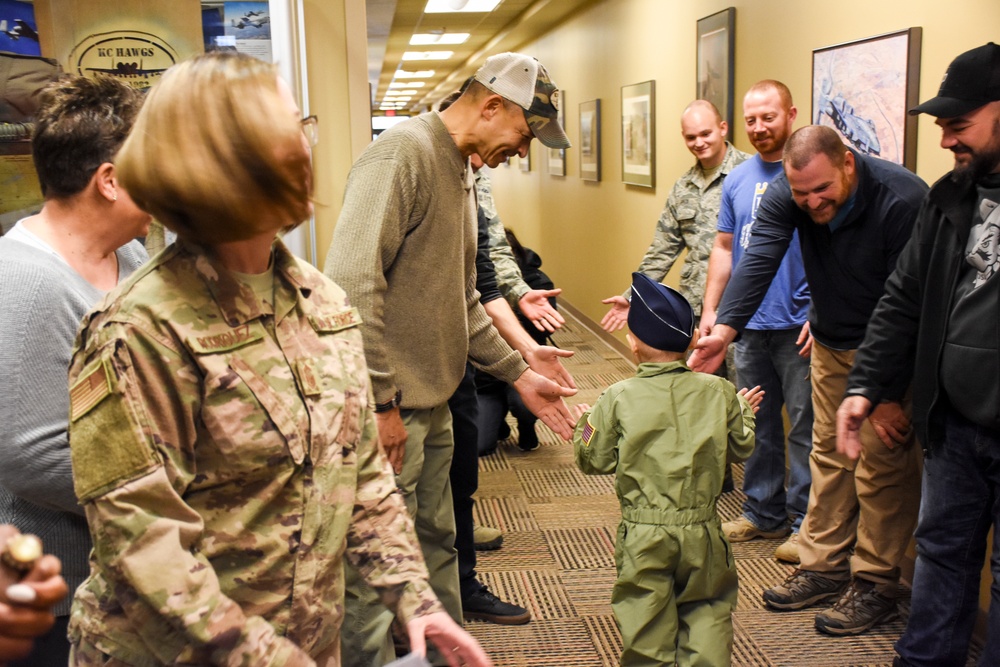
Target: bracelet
391 403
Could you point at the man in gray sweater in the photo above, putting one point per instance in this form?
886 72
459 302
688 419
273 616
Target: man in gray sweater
404 251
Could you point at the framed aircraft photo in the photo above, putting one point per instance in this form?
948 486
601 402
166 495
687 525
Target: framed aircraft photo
862 89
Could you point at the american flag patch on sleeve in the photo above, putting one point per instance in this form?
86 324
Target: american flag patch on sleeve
588 433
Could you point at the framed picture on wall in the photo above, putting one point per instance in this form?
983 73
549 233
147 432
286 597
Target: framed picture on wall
639 134
590 140
716 39
863 88
557 156
525 162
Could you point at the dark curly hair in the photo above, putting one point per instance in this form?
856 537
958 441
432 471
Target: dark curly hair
80 125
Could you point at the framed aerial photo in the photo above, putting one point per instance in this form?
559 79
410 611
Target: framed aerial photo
590 140
557 156
863 88
716 39
639 134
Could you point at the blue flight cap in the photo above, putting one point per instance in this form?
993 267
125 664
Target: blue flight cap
659 316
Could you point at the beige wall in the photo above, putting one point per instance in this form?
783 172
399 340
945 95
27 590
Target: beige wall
592 235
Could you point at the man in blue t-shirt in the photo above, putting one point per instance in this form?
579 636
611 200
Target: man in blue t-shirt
774 349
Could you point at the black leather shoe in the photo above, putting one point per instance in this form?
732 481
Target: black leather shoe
484 606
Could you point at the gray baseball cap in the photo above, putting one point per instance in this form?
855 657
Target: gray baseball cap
524 81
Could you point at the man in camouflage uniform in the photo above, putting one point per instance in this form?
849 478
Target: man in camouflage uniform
222 443
689 217
533 304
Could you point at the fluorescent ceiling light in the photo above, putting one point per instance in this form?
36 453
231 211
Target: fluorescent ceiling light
393 98
420 74
408 84
453 6
429 39
427 55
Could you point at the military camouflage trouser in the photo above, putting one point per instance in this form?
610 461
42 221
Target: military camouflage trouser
426 487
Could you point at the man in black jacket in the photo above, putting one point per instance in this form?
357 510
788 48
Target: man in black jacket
938 325
854 214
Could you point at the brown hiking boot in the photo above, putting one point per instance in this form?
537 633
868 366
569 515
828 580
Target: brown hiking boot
863 605
802 589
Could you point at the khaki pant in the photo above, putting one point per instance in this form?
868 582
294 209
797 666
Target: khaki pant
870 504
426 488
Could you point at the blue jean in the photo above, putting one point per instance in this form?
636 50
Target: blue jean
961 500
771 359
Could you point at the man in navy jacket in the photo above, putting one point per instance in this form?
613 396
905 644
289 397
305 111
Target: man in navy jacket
854 214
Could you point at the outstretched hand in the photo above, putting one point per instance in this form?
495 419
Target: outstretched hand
754 397
709 353
535 306
544 360
579 410
544 398
616 318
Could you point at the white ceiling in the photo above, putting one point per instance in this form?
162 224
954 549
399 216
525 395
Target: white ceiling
391 24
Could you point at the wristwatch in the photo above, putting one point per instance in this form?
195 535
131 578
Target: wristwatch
391 403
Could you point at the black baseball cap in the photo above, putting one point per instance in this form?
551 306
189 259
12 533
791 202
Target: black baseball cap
972 80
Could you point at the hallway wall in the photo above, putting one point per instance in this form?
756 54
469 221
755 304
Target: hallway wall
592 235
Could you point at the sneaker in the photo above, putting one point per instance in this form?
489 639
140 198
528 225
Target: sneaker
863 605
485 538
789 550
484 606
801 589
743 530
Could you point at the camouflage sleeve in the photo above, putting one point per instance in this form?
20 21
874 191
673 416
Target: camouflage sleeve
509 279
666 245
741 429
595 441
381 541
132 410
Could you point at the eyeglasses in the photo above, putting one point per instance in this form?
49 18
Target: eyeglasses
310 128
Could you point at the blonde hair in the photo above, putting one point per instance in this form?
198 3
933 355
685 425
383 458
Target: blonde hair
215 154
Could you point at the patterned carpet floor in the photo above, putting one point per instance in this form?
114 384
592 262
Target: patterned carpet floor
557 556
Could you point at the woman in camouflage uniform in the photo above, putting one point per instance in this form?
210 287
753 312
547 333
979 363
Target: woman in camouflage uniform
222 442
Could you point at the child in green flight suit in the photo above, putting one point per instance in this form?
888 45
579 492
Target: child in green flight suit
668 434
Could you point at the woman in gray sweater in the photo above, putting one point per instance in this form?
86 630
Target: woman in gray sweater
55 266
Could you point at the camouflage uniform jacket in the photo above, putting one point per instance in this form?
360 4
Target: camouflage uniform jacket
225 453
688 220
509 278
